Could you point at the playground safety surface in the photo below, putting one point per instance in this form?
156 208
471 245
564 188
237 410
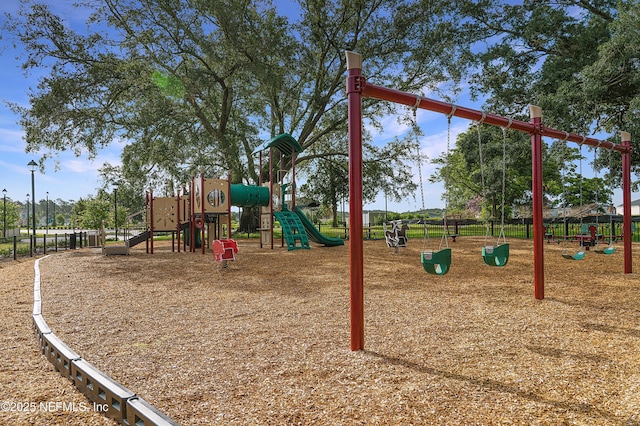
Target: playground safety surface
266 340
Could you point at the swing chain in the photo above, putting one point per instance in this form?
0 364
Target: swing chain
415 126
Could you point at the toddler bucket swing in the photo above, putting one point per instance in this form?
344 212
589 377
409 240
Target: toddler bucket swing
436 262
497 255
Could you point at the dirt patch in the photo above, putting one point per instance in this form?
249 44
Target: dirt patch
266 340
31 391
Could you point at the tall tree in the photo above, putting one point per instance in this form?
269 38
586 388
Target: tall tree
473 172
196 85
576 59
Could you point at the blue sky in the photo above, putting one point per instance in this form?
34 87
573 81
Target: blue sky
77 177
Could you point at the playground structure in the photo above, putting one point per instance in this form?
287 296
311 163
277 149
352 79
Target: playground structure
396 235
357 87
200 217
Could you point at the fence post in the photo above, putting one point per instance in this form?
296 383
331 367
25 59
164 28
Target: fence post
15 248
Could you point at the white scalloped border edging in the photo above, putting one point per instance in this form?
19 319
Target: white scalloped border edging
114 400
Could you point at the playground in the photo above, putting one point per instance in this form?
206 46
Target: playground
263 337
266 340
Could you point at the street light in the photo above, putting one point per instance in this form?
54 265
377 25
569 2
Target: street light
47 210
4 209
115 207
28 233
32 166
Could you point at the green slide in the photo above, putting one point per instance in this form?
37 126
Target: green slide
314 234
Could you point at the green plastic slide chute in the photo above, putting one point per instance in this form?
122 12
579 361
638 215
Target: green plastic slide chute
316 235
198 239
436 262
496 255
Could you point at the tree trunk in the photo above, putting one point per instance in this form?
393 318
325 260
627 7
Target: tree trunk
249 219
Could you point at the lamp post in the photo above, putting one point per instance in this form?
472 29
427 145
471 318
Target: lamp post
47 214
32 166
4 210
386 210
29 233
115 207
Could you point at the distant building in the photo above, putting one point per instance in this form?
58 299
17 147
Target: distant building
372 218
590 209
635 208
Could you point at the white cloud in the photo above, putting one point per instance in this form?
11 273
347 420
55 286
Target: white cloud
11 140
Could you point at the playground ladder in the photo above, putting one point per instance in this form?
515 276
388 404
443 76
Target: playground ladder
293 230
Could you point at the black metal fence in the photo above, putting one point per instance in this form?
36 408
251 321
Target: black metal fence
15 247
555 229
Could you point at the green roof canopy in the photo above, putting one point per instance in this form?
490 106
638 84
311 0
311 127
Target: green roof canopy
285 143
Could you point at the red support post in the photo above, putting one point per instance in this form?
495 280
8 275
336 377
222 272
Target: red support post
151 220
192 216
354 88
626 201
202 205
178 218
537 195
271 221
147 218
228 205
177 221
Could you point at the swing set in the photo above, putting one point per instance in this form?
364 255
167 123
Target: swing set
610 249
579 255
438 262
357 88
588 233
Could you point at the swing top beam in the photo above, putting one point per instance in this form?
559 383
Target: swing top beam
369 90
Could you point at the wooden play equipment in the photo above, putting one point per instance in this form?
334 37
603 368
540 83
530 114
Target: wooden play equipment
297 229
357 88
201 216
112 250
211 212
164 214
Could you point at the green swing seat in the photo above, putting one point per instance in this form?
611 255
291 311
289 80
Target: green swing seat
578 256
496 256
436 262
606 250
